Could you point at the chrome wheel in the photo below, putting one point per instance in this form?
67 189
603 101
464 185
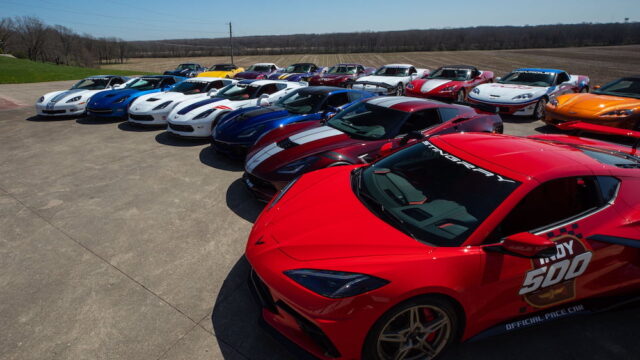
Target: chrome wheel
540 109
461 96
399 90
417 333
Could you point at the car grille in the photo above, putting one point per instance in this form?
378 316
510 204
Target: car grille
262 184
51 112
141 117
503 109
182 128
237 150
100 111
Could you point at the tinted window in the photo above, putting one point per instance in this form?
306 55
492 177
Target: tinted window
368 121
353 96
447 114
627 87
420 120
337 100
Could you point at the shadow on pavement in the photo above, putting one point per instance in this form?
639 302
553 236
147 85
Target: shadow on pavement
242 202
210 157
165 138
38 118
127 126
98 121
236 322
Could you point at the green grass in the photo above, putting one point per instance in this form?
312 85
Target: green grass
17 71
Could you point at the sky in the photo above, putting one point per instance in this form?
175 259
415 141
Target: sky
173 19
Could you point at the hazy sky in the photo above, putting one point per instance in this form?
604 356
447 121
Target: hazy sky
171 19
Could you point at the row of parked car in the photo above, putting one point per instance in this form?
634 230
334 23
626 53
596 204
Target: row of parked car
400 225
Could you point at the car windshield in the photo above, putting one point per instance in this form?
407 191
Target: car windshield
625 87
298 68
186 67
91 84
392 71
238 92
301 102
259 68
222 67
144 84
451 74
190 87
531 78
342 70
431 195
368 121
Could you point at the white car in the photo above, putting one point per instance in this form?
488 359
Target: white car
153 109
525 92
73 102
390 79
196 118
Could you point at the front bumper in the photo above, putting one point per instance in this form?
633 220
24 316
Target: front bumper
61 109
555 118
523 109
107 112
429 95
262 189
237 151
148 118
191 129
381 89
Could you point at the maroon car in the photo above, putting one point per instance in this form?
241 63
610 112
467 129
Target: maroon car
358 134
343 75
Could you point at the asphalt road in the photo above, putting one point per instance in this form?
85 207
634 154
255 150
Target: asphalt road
122 243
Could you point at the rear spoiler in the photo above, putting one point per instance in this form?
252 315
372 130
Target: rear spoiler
480 106
602 129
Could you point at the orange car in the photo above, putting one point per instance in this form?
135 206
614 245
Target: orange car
615 104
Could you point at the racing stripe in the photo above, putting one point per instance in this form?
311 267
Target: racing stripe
389 101
432 84
315 134
262 155
186 109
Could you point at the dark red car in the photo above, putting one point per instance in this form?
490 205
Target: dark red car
358 134
452 82
453 237
343 75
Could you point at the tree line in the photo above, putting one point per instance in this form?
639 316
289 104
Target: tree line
471 38
30 38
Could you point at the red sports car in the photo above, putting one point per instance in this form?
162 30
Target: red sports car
343 75
445 239
359 134
452 82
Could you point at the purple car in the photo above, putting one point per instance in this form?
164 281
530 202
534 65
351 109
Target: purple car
258 71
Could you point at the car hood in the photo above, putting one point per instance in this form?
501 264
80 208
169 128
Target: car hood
307 227
391 80
216 74
178 72
251 74
149 101
596 103
506 92
429 85
312 140
269 117
63 96
334 76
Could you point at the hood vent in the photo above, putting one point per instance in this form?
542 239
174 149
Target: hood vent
286 144
152 99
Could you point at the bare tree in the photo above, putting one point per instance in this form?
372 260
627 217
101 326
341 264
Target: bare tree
7 30
32 31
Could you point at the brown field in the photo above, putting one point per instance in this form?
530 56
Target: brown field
601 64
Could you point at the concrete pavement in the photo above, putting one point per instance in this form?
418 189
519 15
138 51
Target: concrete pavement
124 243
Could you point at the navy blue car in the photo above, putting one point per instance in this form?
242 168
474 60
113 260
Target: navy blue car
237 131
186 70
115 103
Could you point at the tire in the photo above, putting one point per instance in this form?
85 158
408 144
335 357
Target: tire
399 90
539 111
407 330
462 96
498 129
584 89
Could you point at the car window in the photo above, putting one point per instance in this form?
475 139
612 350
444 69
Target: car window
116 81
353 96
412 70
563 77
554 202
447 113
268 89
337 100
218 84
420 120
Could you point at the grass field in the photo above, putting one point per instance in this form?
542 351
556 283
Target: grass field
602 64
16 71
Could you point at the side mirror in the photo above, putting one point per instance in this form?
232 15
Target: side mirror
330 111
386 149
597 87
212 92
263 100
527 245
417 135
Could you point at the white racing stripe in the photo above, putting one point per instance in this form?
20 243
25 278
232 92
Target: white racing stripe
432 84
389 101
262 155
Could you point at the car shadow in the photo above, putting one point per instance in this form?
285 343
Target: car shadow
242 203
90 120
210 157
236 320
127 126
39 118
165 138
518 119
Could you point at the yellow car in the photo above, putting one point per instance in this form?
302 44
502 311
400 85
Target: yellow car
221 71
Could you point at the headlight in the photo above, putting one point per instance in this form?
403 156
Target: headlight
163 105
410 86
335 284
204 114
297 166
475 91
41 99
74 99
449 88
282 192
523 96
121 100
623 112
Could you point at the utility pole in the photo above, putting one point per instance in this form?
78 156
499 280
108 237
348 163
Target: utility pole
231 41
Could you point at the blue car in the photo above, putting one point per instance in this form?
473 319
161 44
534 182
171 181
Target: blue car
237 131
298 72
115 103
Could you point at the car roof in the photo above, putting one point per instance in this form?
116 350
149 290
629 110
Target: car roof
205 79
347 64
264 64
304 63
541 70
406 104
104 76
398 65
322 89
461 67
523 158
